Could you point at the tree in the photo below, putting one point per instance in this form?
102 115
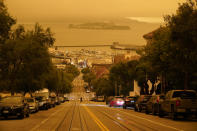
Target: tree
85 70
89 77
102 86
59 82
71 69
65 84
183 32
6 22
44 37
122 76
52 80
156 57
171 53
24 58
24 61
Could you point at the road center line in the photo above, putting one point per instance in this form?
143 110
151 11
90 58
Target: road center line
98 122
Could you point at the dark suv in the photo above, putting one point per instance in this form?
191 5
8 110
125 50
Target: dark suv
129 101
152 105
141 102
14 106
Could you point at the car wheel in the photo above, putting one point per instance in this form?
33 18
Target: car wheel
173 113
161 113
140 109
153 110
5 117
146 111
185 116
27 115
135 108
21 116
46 108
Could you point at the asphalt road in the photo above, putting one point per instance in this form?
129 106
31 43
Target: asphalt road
92 116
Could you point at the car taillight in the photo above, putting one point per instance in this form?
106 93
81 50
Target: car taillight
157 100
178 103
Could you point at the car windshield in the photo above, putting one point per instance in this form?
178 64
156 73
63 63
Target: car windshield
30 100
162 97
40 98
184 94
119 97
11 100
101 97
52 98
130 98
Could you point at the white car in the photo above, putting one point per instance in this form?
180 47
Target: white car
87 91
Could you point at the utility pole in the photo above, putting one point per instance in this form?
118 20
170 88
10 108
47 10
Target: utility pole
120 88
115 88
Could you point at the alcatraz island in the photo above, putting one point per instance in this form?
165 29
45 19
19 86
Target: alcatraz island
99 26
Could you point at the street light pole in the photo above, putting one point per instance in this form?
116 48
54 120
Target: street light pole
115 88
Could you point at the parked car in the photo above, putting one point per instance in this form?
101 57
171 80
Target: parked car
129 101
53 101
61 99
108 99
42 102
93 99
48 102
14 106
87 91
100 99
179 102
57 102
152 105
140 104
33 104
117 102
66 99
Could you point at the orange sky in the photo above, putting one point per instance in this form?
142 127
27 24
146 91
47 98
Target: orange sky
34 9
